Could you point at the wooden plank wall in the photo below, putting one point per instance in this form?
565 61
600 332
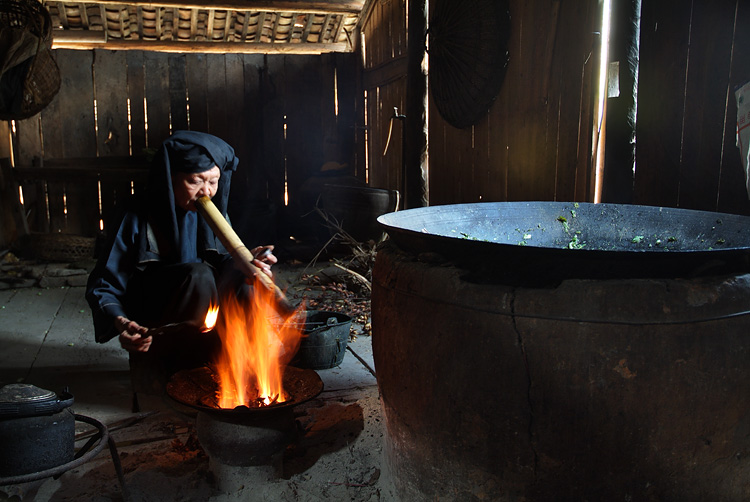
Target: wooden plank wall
274 110
387 164
384 84
535 142
8 231
692 57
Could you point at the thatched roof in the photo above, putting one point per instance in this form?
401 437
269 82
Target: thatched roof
290 26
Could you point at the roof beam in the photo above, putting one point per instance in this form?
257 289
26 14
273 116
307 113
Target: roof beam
316 7
87 40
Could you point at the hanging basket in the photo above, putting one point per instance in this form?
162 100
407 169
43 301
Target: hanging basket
29 76
26 14
468 48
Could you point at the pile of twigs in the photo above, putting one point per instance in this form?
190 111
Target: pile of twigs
361 259
339 295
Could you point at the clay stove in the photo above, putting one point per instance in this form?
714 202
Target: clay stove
244 444
561 351
245 397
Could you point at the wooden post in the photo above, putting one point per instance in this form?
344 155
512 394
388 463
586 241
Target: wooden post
415 124
619 152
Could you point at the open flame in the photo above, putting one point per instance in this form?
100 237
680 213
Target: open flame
257 344
211 316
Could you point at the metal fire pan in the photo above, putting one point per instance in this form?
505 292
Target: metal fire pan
195 388
566 239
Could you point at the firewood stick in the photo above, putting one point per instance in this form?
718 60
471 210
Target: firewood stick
242 256
356 275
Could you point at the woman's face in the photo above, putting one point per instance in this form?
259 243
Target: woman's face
190 187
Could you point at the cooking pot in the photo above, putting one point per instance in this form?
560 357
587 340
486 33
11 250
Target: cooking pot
37 429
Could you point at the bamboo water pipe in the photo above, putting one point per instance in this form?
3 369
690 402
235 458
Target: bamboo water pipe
242 256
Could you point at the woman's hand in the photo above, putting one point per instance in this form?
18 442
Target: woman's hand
264 259
133 337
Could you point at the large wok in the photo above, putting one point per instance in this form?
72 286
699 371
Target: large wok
548 241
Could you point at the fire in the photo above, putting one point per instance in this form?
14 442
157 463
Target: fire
256 347
211 317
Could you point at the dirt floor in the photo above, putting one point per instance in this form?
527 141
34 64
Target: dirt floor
47 337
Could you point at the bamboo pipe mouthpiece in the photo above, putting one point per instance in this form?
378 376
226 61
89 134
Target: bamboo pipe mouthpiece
242 256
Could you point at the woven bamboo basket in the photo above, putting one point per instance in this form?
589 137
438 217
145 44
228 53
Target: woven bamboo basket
60 247
39 74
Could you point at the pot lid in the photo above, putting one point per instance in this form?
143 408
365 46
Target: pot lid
25 400
25 393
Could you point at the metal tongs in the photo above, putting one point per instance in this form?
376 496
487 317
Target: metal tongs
175 327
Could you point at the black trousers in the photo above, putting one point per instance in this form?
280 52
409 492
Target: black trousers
183 293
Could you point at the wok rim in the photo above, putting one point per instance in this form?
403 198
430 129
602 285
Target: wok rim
406 237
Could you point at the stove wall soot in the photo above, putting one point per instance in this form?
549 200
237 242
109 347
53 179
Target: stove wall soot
626 389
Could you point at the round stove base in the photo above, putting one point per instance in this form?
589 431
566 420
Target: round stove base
243 444
246 440
624 389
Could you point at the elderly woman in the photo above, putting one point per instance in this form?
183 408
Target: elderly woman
163 264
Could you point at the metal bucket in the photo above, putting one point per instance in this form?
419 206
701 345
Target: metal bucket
324 340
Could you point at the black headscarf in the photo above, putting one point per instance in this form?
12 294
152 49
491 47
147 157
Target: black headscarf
187 152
